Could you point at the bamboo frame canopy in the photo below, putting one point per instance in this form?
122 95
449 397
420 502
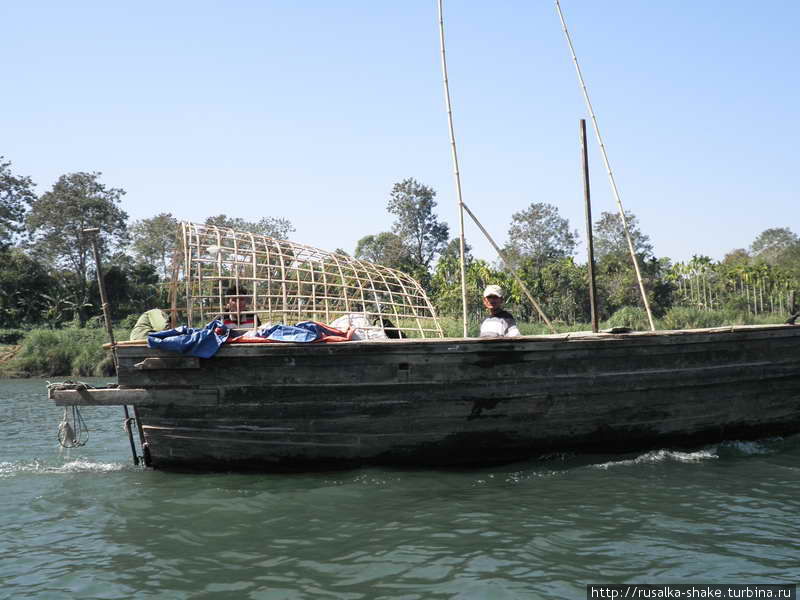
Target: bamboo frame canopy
238 274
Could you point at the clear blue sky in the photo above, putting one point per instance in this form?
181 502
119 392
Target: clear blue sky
312 110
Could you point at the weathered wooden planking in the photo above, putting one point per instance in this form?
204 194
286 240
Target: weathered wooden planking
378 368
731 402
566 422
135 397
542 342
463 401
167 363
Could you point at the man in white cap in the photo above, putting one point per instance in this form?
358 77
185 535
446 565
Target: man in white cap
499 323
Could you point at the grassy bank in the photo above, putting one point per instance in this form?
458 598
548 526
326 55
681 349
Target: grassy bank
61 352
635 318
79 352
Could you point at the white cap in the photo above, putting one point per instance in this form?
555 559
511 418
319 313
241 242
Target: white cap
493 290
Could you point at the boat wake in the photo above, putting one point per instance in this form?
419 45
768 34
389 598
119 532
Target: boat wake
661 456
726 449
36 467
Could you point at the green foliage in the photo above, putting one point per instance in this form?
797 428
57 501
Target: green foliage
59 307
24 283
541 234
560 287
738 283
57 220
11 337
15 192
416 224
127 323
446 286
629 316
268 226
618 287
685 317
771 244
49 280
452 327
385 249
63 352
737 256
130 287
609 236
154 240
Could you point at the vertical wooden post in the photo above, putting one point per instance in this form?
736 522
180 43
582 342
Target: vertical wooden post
92 232
589 238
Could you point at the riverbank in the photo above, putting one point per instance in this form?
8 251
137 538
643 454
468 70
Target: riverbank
78 352
61 352
635 318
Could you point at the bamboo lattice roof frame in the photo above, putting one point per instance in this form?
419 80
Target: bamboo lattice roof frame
285 282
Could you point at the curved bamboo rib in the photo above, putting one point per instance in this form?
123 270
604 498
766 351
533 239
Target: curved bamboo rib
286 282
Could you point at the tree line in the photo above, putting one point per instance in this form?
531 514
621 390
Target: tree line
47 275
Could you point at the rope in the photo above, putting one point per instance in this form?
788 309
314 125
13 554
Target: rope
69 385
72 431
77 385
75 434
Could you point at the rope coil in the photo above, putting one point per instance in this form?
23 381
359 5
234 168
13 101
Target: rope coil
72 431
72 434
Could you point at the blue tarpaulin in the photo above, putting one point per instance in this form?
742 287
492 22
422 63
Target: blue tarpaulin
307 331
202 343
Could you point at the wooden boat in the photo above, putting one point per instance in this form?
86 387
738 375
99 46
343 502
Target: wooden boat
425 400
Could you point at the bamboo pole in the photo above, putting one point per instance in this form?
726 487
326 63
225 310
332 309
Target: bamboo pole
455 171
510 269
613 183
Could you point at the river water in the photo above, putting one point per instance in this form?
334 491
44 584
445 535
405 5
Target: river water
86 523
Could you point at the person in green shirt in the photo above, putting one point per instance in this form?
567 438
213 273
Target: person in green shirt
150 322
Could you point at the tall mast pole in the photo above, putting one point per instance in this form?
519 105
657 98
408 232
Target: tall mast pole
614 189
455 170
589 237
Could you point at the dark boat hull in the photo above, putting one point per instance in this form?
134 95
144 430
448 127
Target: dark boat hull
460 402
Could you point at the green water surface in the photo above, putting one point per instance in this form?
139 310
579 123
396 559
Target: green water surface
85 523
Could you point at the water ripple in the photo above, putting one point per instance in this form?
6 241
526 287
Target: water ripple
92 525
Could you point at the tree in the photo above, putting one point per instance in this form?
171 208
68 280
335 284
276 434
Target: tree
541 234
453 250
131 287
23 284
609 237
737 256
446 284
417 225
561 286
57 220
618 287
155 239
267 226
15 192
385 249
772 243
